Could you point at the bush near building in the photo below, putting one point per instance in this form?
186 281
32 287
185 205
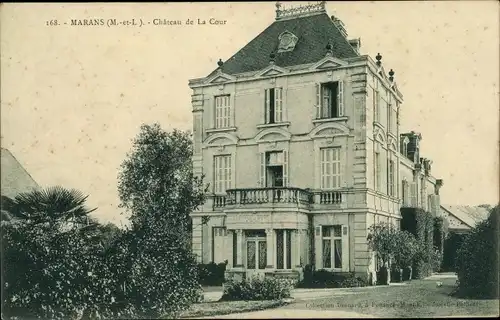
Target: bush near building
211 274
257 289
328 279
477 260
421 224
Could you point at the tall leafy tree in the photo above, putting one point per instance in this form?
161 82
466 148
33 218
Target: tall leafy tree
156 183
157 187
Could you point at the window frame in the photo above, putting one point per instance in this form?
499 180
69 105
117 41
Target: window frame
273 108
334 164
332 238
222 121
337 96
227 173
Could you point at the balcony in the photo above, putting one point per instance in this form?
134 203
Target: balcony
277 197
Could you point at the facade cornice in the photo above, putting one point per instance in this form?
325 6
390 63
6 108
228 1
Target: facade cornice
285 72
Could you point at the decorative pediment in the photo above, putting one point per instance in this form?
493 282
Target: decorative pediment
221 139
220 77
272 134
379 134
272 70
328 130
329 63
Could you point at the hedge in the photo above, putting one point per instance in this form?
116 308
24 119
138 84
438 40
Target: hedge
257 289
328 279
421 224
451 245
477 260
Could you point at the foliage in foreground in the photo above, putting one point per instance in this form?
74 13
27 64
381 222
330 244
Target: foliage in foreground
477 260
58 263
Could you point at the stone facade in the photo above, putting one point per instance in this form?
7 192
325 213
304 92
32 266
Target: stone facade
292 184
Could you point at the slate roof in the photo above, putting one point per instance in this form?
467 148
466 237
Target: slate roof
313 32
470 215
15 179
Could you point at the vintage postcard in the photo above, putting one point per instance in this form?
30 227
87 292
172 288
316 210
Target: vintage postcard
322 159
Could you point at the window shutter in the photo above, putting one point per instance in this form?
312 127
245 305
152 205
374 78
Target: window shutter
278 109
340 98
285 168
318 100
217 112
413 194
266 105
262 170
318 248
345 248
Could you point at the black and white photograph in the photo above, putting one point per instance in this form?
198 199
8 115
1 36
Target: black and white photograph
250 160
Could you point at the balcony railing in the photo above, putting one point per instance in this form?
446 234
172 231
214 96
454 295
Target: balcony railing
277 195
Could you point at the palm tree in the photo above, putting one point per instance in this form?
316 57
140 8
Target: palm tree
53 206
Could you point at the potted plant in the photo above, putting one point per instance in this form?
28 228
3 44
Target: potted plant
381 241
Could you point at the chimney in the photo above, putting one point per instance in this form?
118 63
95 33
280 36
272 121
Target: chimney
355 44
340 25
414 146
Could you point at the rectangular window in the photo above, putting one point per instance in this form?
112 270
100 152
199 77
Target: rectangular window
330 100
283 249
332 247
377 171
389 118
376 99
222 173
274 105
274 169
391 178
330 168
222 111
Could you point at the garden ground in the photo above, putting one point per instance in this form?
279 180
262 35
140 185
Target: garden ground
419 298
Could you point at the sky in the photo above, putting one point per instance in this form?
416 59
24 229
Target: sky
73 97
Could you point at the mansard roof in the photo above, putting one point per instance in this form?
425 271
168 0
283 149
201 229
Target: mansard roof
314 33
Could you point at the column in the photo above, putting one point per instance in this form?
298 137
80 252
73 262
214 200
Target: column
229 248
239 248
270 239
296 241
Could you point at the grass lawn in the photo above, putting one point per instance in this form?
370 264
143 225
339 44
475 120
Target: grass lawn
207 309
421 298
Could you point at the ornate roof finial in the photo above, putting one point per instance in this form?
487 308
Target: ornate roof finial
391 75
272 58
220 63
329 51
379 58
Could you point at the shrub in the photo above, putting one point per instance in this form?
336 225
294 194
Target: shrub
477 260
212 274
421 224
257 289
405 248
451 245
328 279
436 260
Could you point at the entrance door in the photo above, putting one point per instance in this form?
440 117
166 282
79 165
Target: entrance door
256 257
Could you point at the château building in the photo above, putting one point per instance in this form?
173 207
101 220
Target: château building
298 135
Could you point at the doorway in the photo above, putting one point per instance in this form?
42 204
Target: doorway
256 257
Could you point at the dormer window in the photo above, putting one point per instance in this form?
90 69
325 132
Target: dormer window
287 41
